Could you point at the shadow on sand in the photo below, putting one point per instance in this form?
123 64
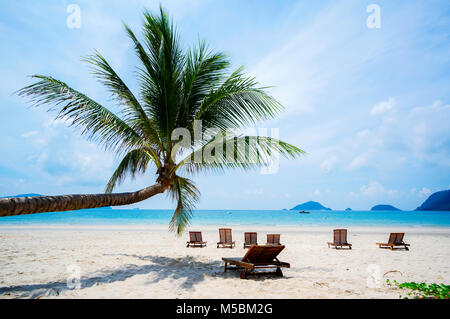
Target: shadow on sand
186 268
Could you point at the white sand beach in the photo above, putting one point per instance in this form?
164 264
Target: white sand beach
150 262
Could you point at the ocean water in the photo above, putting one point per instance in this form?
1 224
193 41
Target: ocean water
236 217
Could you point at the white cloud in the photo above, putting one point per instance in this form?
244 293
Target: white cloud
430 137
358 162
40 141
363 134
328 164
30 134
59 154
254 191
20 182
383 107
352 195
415 135
372 189
424 192
377 191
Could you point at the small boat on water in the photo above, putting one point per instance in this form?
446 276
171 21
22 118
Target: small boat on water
303 212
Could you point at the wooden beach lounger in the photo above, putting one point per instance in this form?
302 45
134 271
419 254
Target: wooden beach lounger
257 257
395 239
273 239
226 241
250 239
195 239
340 239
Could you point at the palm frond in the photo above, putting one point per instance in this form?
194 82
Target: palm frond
238 102
237 152
135 162
142 55
147 73
187 195
161 87
133 111
203 72
96 121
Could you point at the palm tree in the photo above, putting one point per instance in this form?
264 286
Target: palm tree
177 89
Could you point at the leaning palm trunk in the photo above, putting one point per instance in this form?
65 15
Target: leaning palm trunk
39 204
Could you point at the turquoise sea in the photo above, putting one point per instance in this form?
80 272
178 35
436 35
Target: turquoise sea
237 217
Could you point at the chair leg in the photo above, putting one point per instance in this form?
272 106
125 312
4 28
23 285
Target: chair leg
279 272
406 247
225 267
244 274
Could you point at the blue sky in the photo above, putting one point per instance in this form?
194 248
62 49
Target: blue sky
371 107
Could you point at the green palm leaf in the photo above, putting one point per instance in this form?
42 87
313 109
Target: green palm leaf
133 111
237 152
204 71
187 195
162 82
237 103
96 121
133 163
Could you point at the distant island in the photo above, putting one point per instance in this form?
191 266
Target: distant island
384 207
348 209
310 206
437 201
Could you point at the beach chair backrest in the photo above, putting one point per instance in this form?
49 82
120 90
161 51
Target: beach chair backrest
396 238
262 254
225 235
195 236
273 239
340 236
250 238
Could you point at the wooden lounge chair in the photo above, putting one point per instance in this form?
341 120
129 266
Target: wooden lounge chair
226 241
340 239
273 239
195 239
395 239
250 239
257 257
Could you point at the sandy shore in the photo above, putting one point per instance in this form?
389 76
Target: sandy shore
150 262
